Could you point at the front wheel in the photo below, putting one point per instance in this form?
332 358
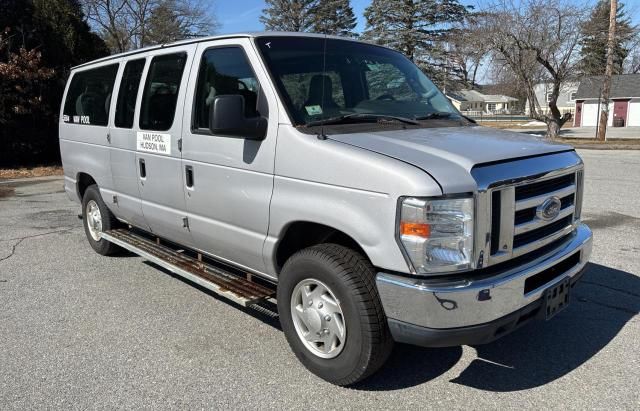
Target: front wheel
331 313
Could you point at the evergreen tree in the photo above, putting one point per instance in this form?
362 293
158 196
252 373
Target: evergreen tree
594 43
288 15
171 20
334 17
163 26
40 41
417 28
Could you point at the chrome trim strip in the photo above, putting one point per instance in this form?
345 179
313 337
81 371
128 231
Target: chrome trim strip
507 200
537 200
524 170
482 229
579 194
518 251
538 222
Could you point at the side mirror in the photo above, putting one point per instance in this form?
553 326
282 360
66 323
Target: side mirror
226 118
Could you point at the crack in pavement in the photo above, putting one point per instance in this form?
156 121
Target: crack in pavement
21 239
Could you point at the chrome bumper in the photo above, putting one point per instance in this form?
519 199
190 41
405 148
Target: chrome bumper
445 303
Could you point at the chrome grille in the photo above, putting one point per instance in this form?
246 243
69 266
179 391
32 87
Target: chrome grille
508 193
516 226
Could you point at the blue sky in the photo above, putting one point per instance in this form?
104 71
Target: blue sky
242 15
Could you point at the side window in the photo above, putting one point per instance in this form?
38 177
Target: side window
126 104
224 71
161 92
388 81
89 96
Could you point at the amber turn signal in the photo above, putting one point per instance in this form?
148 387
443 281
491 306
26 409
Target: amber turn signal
415 229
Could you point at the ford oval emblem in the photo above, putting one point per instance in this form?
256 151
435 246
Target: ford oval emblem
549 209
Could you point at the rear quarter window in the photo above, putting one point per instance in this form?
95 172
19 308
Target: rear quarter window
89 96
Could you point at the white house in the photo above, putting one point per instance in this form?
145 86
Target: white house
566 99
473 101
624 101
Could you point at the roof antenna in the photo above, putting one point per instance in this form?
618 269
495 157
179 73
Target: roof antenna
323 136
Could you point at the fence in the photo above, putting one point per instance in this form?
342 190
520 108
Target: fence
510 117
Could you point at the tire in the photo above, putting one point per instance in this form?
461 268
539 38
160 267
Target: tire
350 280
91 199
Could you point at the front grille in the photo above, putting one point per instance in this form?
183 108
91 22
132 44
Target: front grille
544 187
542 232
516 226
528 214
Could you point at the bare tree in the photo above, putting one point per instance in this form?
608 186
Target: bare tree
505 81
466 54
114 22
131 24
536 33
634 63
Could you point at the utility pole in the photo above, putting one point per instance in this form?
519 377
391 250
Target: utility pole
606 85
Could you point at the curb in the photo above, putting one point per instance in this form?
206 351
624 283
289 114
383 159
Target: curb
606 146
42 178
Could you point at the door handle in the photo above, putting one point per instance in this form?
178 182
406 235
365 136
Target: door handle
189 176
143 168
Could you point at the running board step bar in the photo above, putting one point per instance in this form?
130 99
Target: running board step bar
221 282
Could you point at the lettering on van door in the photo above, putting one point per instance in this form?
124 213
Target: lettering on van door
158 143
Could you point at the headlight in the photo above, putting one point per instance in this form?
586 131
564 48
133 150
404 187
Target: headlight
437 234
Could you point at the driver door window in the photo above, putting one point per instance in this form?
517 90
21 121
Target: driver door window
224 71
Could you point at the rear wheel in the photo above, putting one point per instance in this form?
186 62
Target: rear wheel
331 313
97 218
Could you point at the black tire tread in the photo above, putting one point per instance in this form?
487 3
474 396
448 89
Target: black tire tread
358 273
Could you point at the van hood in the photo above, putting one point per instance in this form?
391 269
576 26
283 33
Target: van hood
449 153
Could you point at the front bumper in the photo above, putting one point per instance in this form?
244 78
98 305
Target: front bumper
445 312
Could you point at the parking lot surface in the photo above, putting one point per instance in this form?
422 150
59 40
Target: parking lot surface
78 330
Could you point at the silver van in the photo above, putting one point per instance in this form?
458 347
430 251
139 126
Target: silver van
332 176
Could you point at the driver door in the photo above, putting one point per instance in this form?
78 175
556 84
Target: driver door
228 180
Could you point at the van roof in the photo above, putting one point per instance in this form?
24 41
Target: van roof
209 38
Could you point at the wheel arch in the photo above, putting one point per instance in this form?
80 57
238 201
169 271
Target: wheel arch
299 235
83 181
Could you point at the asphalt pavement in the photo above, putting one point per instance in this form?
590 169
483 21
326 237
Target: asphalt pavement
78 330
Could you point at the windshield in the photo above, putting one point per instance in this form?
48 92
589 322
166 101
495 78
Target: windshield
351 80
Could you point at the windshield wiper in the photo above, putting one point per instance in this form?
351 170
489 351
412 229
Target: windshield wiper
360 117
434 115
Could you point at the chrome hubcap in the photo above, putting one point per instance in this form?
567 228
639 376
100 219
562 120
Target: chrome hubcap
94 220
318 319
